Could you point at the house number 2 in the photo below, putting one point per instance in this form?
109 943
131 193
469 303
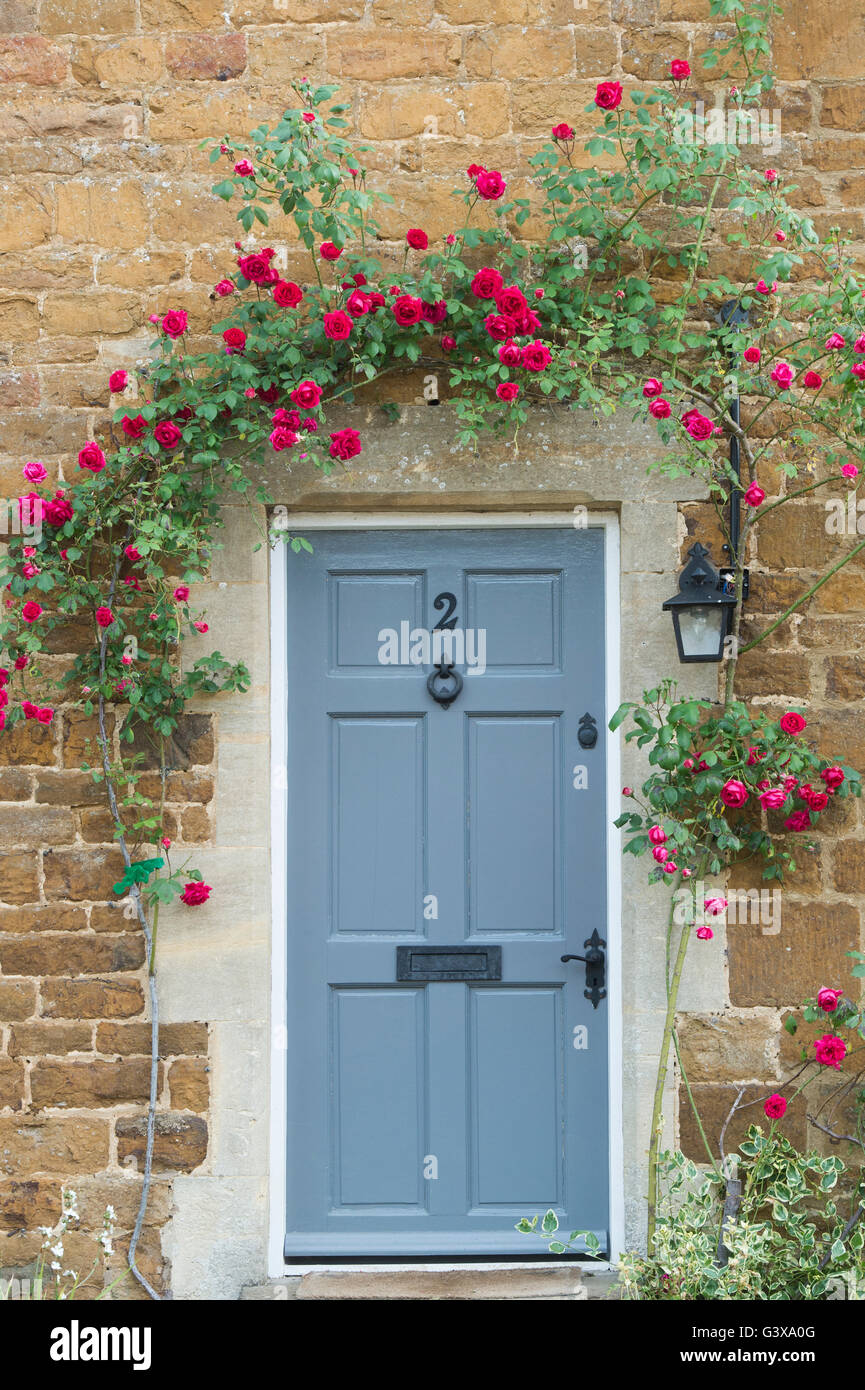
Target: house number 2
447 601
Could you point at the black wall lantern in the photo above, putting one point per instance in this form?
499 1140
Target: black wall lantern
701 609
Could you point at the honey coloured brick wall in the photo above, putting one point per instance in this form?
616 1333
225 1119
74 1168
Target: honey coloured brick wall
74 1055
106 217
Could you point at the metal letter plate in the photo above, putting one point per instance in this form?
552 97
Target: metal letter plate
429 963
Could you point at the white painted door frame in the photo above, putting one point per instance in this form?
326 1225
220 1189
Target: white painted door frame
301 522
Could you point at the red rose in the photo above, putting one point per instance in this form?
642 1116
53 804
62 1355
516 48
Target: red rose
507 390
268 394
224 288
417 239
512 301
289 418
800 820
118 381
510 353
45 715
31 611
448 342
92 458
490 184
562 132
132 552
680 69
608 95
174 323
345 444
773 799
486 283
407 310
30 508
167 434
134 429
287 294
698 426
337 325
660 409
734 793
329 252
775 1107
244 169
500 326
830 1050
376 301
357 304
255 268
195 893
782 374
812 381
792 723
832 776
474 169
28 709
282 438
307 395
527 322
752 354
754 495
435 312
536 356
104 617
818 801
58 510
234 339
653 387
827 999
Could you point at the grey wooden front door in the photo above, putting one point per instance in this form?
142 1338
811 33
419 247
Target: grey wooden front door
435 1097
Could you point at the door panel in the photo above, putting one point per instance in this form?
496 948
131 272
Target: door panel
378 1110
378 807
426 1119
514 823
516 1034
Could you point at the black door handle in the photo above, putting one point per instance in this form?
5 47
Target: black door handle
596 968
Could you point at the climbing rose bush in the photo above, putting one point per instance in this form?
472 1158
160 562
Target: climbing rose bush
724 785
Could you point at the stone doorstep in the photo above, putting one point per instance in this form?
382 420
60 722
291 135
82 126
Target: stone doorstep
548 1283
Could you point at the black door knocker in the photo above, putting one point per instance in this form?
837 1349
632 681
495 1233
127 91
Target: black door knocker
446 693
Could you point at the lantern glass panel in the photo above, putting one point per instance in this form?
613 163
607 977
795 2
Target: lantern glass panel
701 630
